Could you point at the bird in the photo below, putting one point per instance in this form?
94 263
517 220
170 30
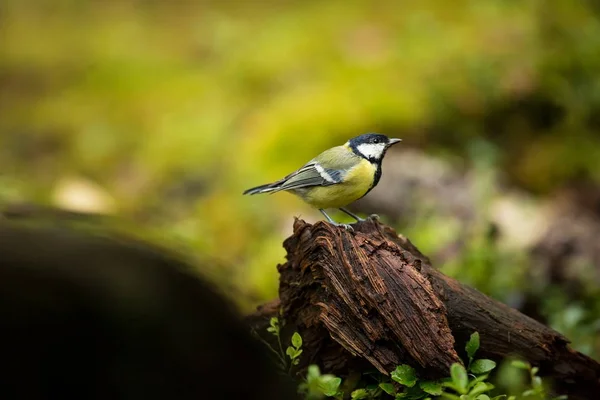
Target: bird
336 177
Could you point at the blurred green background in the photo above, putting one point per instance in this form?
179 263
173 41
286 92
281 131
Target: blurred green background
162 113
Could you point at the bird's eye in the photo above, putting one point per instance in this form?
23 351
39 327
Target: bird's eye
375 140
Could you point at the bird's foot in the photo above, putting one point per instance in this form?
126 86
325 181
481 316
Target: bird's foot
373 217
347 227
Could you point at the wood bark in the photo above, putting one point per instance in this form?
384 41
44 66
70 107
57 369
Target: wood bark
369 298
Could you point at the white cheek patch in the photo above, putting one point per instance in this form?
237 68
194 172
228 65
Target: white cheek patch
371 150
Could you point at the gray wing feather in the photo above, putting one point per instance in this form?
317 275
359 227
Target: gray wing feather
339 159
312 174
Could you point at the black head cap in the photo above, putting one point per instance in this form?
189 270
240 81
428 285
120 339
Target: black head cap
371 146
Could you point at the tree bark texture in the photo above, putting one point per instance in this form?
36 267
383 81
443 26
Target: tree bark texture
369 298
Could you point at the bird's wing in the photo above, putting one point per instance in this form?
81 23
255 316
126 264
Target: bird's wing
338 161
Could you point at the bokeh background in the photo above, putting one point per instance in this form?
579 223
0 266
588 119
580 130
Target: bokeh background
162 113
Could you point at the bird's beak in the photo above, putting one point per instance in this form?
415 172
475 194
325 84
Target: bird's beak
394 141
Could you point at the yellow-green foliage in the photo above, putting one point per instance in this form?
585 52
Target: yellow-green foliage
174 108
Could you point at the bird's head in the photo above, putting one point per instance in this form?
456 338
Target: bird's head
371 146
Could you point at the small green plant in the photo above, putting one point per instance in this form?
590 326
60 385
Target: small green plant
470 383
464 383
538 390
292 352
318 386
370 391
460 385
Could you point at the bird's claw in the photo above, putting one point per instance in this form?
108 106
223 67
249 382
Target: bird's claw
373 217
348 227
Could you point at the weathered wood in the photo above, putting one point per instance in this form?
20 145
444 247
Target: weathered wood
369 298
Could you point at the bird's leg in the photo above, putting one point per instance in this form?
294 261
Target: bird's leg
372 217
356 217
348 227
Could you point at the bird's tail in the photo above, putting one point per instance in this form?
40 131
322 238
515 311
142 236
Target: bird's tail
268 188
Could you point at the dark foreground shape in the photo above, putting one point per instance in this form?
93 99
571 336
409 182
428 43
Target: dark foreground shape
89 317
371 299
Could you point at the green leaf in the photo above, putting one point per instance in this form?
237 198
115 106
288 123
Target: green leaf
472 345
291 352
482 366
536 382
388 388
296 340
274 326
313 372
482 397
480 388
414 393
446 395
404 375
520 364
459 378
431 387
329 385
476 380
359 394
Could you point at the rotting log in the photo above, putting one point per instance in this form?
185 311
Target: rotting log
369 298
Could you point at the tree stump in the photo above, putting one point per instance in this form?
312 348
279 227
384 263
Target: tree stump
369 298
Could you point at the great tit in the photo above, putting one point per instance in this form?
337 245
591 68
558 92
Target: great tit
338 176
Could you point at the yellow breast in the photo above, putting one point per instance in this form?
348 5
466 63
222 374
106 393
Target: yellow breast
357 183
